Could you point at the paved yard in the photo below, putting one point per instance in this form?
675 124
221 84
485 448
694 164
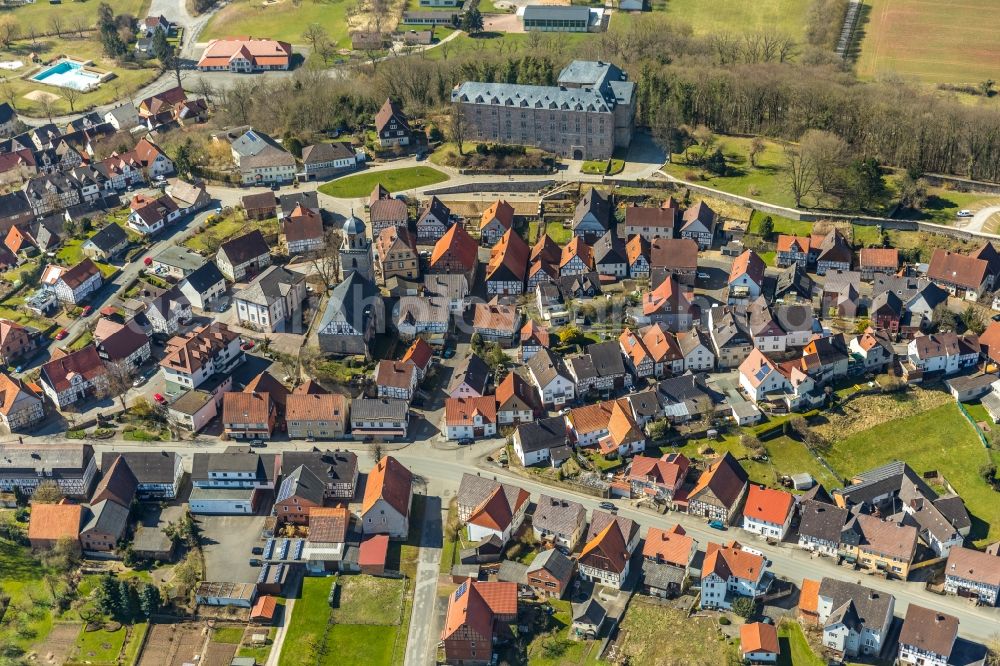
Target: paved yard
227 542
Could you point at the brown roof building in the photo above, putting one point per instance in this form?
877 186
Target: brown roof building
51 522
248 415
316 415
118 485
386 505
476 614
927 636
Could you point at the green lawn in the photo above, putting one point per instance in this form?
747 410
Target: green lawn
71 252
228 227
450 547
21 578
308 623
259 653
651 631
795 650
938 439
100 647
759 472
553 647
231 635
40 14
558 233
368 644
368 600
285 20
782 225
394 180
791 457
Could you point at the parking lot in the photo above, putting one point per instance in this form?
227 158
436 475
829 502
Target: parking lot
227 542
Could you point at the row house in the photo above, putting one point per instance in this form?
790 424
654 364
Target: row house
415 316
495 222
249 415
855 619
517 401
820 526
652 223
746 278
272 302
927 637
559 522
671 305
698 223
720 491
965 276
973 573
551 377
592 216
243 256
20 406
830 252
396 379
158 474
533 339
944 352
730 572
658 478
544 440
673 256
51 193
637 252
792 250
433 221
508 263
666 561
316 416
611 540
768 512
385 211
396 249
874 261
77 376
470 418
150 216
190 360
73 468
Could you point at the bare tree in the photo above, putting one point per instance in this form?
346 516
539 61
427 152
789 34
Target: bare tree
801 173
121 374
205 89
756 148
8 93
80 25
377 452
315 35
32 33
829 155
71 95
55 22
326 263
457 127
9 30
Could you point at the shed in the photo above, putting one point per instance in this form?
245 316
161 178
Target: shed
263 610
372 554
802 481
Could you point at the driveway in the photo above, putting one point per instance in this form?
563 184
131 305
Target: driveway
421 643
226 544
981 217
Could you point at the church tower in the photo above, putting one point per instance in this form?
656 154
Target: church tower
356 250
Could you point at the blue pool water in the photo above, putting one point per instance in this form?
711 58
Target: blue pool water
68 74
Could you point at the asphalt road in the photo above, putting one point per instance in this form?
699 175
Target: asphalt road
442 469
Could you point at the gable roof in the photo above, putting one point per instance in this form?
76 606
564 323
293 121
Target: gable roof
973 565
109 237
672 546
146 466
474 372
462 411
459 246
959 269
557 515
119 484
607 550
301 482
328 524
732 561
879 257
750 264
55 521
85 362
872 605
302 224
390 481
725 478
508 258
768 504
929 630
547 433
498 509
500 211
822 521
245 248
389 110
759 637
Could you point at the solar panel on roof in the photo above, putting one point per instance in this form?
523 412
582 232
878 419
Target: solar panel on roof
268 549
299 545
284 549
462 589
262 576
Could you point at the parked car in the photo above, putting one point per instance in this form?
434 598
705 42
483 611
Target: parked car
465 440
448 352
247 346
148 261
608 506
255 562
704 276
717 525
965 212
87 309
62 334
159 398
257 550
139 381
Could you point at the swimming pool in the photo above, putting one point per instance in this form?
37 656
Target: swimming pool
68 74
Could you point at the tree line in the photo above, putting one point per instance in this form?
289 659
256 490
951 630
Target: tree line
762 83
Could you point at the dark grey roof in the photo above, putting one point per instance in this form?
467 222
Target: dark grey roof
645 404
205 277
301 482
908 288
351 303
888 478
822 521
270 286
556 13
607 357
610 249
307 198
559 516
109 237
582 367
378 408
887 299
245 248
108 517
872 606
569 285
817 493
794 279
661 575
589 612
319 153
330 466
593 203
953 509
436 208
728 328
545 365
180 257
513 572
558 565
687 389
542 434
147 466
7 113
232 461
16 459
473 372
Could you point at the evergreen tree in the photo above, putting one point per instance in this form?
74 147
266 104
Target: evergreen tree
472 21
149 600
159 47
107 598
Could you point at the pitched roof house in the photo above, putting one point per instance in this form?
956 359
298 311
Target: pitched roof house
386 505
720 490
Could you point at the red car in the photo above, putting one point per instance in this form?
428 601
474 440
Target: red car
247 346
148 261
87 309
159 398
61 334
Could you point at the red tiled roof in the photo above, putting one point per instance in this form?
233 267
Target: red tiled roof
500 210
879 257
390 481
749 263
373 550
264 608
577 248
244 408
759 637
731 560
461 411
84 362
510 252
607 551
54 521
768 504
419 353
809 596
495 512
459 245
793 244
531 331
672 546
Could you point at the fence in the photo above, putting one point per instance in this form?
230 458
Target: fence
975 426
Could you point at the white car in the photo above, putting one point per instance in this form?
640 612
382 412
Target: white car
704 276
965 212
